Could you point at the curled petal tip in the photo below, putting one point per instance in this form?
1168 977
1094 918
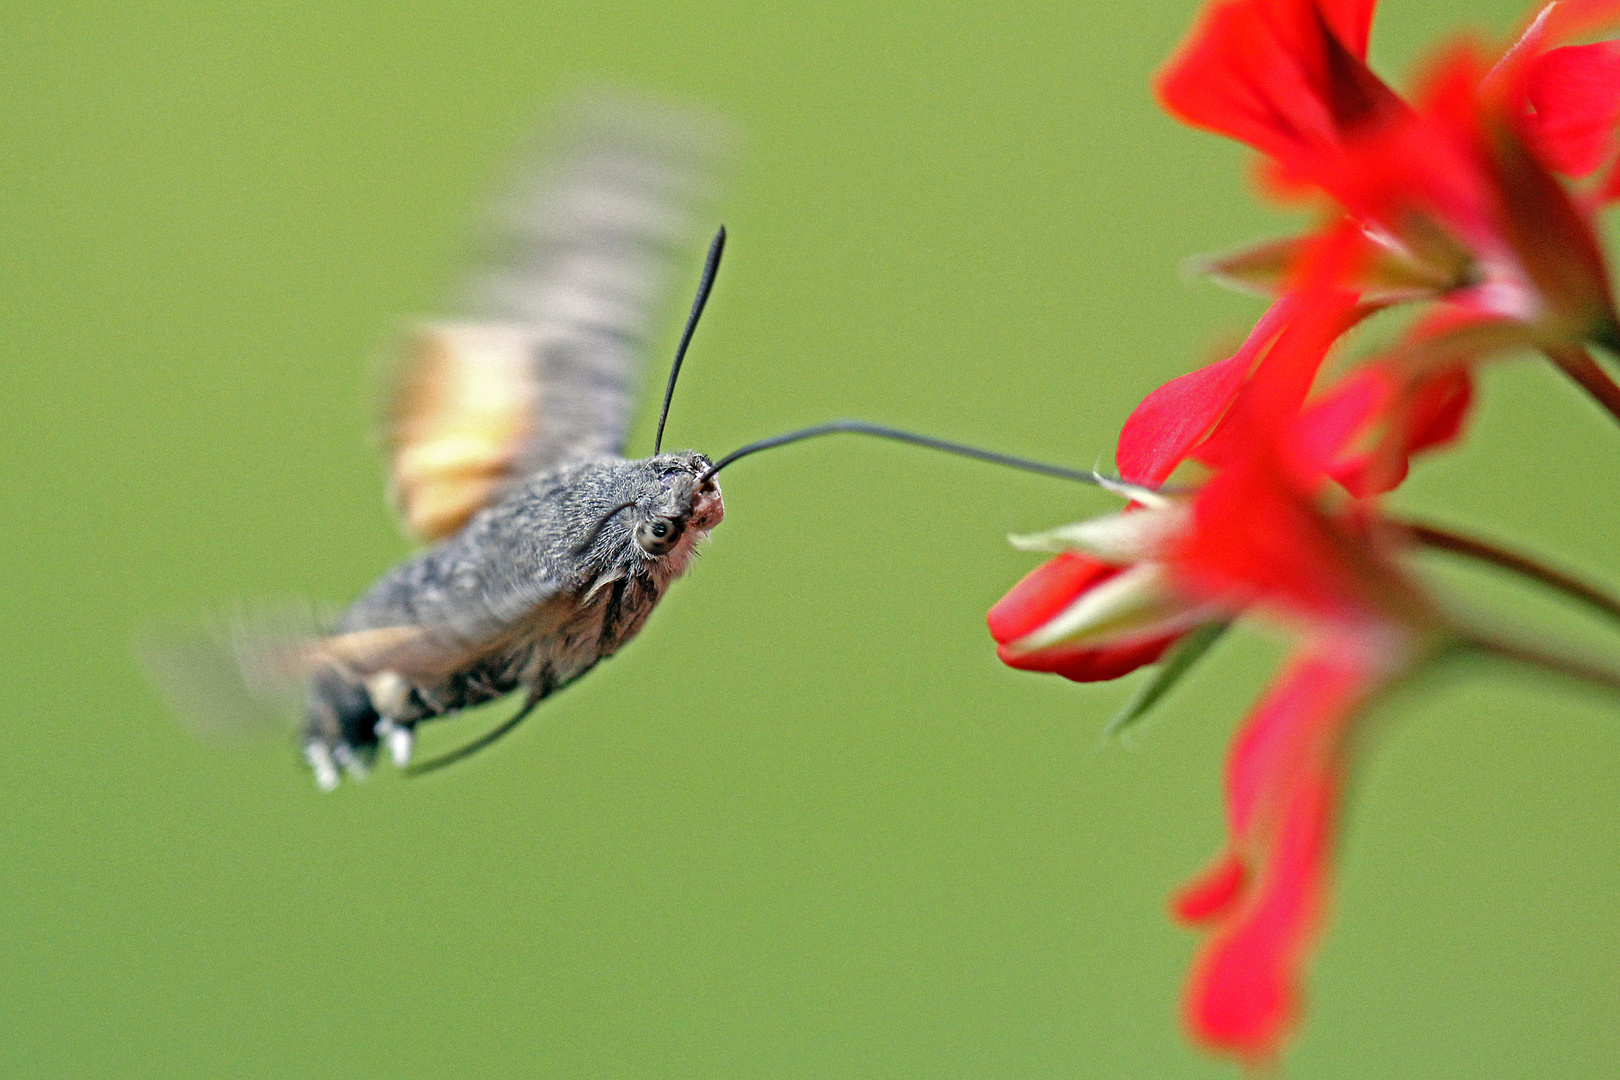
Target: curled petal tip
1213 893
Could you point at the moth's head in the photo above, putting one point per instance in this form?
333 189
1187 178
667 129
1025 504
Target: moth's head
681 502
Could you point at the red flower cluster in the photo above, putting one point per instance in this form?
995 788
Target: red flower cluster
1475 197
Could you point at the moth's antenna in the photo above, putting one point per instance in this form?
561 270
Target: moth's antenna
861 427
469 749
711 266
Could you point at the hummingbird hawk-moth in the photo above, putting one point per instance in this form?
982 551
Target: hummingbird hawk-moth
504 432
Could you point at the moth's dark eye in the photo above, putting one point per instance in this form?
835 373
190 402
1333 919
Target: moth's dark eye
658 535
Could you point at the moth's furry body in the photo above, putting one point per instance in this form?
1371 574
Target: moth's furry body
512 601
505 433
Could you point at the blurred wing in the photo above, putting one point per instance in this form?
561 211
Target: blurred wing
246 673
546 363
229 677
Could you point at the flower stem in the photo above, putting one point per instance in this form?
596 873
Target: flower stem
1578 364
1586 669
1553 578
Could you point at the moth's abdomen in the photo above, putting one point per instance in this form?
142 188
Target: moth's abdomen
348 717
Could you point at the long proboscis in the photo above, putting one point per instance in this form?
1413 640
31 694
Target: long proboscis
882 431
833 427
711 266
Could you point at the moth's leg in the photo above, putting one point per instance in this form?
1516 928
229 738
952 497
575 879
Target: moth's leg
400 738
319 756
428 702
352 759
396 727
390 696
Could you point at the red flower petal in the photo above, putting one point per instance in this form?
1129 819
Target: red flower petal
1286 77
1292 342
1285 731
1093 664
1212 893
1351 22
1460 162
1439 408
1258 534
1424 161
1556 22
1329 426
1282 780
1176 417
1553 238
1610 191
1044 592
1243 994
1412 418
1255 540
1575 91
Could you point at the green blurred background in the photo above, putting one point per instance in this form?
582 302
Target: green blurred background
805 826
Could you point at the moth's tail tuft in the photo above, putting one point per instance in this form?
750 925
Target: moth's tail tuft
340 729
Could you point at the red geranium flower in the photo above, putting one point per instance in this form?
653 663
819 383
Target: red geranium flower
1477 196
1269 532
1454 195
